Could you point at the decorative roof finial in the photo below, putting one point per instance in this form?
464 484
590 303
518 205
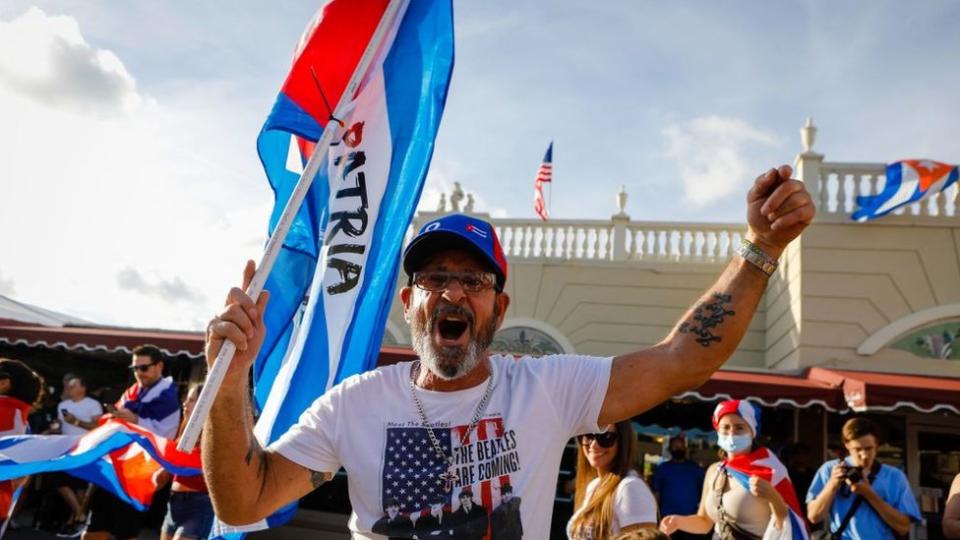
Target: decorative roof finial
808 134
622 200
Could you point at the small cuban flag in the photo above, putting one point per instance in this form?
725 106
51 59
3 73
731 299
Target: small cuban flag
764 464
908 181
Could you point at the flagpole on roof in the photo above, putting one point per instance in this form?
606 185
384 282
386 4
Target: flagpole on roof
218 370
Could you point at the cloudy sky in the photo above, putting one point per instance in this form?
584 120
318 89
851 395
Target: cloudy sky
131 190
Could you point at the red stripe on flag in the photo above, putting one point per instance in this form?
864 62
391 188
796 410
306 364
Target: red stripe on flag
329 51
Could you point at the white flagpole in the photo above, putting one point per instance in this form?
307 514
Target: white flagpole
395 8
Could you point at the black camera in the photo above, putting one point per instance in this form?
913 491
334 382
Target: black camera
853 474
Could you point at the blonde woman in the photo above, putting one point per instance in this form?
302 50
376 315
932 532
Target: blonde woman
611 498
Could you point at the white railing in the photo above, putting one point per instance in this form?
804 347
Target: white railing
557 239
682 241
616 239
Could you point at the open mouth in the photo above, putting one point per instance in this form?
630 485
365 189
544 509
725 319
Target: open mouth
451 329
451 325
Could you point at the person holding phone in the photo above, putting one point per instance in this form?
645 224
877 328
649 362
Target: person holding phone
78 412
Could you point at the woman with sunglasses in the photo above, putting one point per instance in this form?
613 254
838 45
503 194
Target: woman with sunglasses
611 497
739 502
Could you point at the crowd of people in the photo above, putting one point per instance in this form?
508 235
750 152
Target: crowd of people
855 497
466 444
74 507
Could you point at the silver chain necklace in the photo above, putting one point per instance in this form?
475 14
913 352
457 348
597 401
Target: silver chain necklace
450 476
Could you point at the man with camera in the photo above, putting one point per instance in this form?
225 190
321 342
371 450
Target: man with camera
863 499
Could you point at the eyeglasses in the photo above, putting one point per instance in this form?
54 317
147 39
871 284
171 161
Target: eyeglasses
437 281
606 439
142 368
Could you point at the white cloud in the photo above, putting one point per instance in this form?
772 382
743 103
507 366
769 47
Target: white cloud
169 290
53 64
169 188
710 155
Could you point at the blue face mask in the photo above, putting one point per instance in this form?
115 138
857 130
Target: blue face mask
735 444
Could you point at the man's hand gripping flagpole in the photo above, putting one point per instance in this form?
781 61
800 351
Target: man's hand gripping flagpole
218 370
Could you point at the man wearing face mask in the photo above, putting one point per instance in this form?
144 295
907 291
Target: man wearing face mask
748 495
678 483
860 497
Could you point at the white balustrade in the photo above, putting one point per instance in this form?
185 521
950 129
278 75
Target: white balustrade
597 240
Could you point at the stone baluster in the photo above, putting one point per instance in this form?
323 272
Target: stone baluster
518 241
629 243
842 194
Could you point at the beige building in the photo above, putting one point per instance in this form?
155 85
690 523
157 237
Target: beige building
844 296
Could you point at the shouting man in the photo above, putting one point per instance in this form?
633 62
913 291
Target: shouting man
460 420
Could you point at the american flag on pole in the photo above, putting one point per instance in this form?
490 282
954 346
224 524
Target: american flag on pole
544 175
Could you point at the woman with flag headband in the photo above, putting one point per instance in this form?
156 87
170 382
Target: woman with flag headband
748 495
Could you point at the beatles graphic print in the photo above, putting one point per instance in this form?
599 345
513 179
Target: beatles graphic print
423 497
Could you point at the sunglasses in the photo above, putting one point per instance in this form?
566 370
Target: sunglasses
437 281
142 368
606 439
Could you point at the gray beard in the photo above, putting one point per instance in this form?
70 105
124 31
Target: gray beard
449 363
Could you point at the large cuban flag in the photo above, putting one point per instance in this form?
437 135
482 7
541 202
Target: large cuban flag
764 464
908 181
332 282
122 458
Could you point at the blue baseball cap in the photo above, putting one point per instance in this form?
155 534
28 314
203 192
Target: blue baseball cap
456 231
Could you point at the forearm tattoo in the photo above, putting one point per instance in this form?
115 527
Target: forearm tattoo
255 451
707 316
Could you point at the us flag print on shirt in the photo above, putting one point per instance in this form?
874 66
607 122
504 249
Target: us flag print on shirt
478 502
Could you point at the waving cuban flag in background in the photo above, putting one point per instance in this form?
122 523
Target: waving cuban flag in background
908 181
123 458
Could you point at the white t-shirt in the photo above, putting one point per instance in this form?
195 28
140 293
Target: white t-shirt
369 425
633 503
85 410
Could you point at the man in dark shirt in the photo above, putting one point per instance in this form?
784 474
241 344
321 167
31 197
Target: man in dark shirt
678 484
